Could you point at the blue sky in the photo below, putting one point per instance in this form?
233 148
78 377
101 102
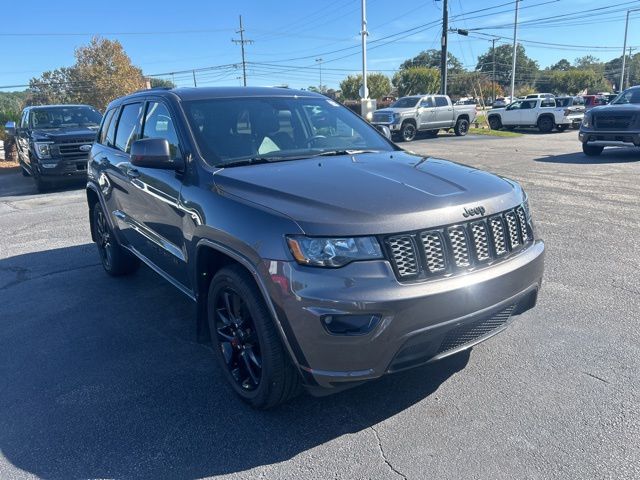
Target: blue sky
289 35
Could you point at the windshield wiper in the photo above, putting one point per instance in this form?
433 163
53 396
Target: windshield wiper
243 161
332 153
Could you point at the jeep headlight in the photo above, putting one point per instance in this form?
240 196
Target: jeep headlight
43 149
333 252
586 120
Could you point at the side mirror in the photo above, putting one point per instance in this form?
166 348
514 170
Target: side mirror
152 153
10 128
384 130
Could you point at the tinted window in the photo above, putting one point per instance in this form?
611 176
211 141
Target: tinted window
55 117
159 124
23 122
441 102
427 103
405 102
547 102
105 126
528 105
110 137
228 129
128 130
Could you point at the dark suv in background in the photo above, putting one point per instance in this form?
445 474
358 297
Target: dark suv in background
53 142
317 251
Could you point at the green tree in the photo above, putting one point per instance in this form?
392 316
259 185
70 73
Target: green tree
526 68
472 84
431 59
417 80
378 84
102 72
588 62
562 65
161 83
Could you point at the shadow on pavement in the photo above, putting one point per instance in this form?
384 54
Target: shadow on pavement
101 377
14 184
609 155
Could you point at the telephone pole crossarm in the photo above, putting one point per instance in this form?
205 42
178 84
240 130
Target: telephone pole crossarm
242 42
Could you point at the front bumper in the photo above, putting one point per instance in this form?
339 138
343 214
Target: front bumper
394 127
63 168
610 139
415 319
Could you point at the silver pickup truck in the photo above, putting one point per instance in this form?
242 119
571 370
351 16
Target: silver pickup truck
424 113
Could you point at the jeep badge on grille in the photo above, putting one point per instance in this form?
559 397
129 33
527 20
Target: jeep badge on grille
472 212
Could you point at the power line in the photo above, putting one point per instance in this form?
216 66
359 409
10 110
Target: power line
242 42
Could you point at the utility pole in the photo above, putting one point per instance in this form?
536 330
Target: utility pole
515 52
195 84
365 90
629 69
443 54
319 62
493 75
242 43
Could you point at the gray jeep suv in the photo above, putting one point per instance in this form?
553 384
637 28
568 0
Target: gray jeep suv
319 254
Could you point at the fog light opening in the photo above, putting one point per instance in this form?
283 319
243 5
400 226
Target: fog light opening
350 324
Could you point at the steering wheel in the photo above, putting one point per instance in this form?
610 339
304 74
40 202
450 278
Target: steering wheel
314 138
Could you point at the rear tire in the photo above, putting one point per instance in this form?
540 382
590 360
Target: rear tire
462 127
246 342
545 124
408 131
495 123
592 150
116 260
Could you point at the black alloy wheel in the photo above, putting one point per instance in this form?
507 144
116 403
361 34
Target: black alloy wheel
237 339
104 239
408 131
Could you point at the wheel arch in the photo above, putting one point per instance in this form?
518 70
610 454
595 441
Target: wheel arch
463 116
211 256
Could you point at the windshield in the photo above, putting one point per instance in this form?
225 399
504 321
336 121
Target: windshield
277 128
405 102
57 117
628 96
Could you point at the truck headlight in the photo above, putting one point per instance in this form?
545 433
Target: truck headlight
586 120
333 252
396 116
43 149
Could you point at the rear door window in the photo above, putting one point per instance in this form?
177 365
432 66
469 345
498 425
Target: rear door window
128 130
105 126
441 102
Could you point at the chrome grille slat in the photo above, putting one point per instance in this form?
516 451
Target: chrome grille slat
459 246
522 221
480 241
497 231
404 255
433 251
512 228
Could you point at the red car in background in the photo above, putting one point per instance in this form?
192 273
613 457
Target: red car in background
591 101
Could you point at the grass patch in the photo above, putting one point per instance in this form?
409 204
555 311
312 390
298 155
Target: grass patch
493 133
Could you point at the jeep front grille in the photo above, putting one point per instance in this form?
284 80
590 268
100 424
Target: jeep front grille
454 248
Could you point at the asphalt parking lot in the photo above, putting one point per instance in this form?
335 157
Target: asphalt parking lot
102 377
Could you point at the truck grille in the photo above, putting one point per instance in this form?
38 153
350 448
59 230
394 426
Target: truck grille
609 121
450 249
71 147
382 117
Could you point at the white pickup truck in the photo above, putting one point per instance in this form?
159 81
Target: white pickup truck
424 113
539 112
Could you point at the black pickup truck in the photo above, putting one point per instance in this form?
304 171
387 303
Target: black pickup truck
54 142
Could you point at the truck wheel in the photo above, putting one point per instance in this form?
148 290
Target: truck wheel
592 150
246 343
115 259
408 131
495 123
561 128
24 172
545 124
462 127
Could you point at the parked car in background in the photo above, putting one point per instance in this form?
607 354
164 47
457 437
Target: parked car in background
424 113
53 142
538 112
500 102
614 125
540 95
318 253
574 107
591 101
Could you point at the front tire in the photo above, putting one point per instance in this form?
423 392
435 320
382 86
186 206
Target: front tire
246 343
408 131
592 150
545 124
462 127
115 259
495 123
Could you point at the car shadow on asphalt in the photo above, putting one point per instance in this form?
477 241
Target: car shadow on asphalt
609 155
14 184
102 377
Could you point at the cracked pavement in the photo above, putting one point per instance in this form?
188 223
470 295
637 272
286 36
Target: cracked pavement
102 378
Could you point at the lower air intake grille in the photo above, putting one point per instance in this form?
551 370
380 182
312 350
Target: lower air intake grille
472 331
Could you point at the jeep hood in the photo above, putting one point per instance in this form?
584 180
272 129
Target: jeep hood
370 193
